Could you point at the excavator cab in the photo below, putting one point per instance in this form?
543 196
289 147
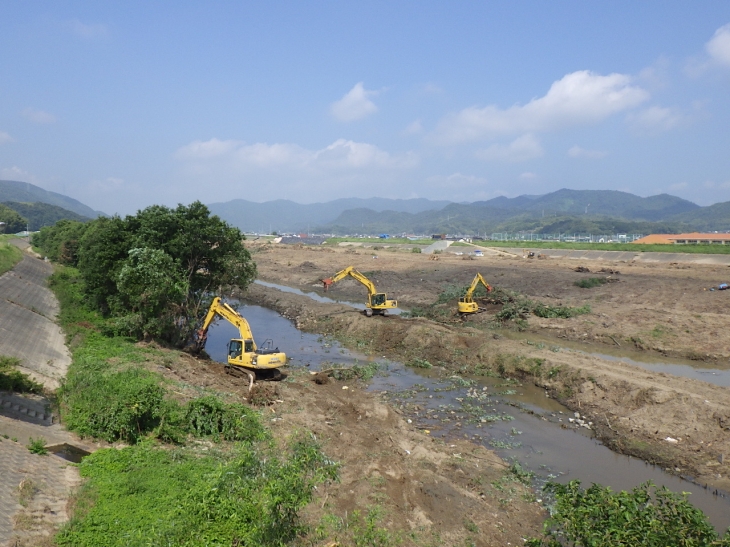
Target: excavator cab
234 349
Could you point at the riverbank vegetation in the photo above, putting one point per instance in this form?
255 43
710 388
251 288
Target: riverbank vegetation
204 471
646 516
10 255
152 274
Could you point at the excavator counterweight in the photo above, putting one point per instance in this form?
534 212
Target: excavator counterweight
243 351
378 303
466 303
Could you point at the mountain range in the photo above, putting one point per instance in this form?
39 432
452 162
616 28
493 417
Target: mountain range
584 211
24 192
287 216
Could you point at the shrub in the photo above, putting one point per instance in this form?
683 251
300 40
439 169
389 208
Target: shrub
117 406
14 380
209 416
590 282
37 446
646 516
416 250
142 495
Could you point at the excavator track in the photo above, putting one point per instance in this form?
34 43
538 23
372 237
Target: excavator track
270 374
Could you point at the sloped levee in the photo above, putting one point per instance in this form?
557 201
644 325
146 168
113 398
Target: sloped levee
27 328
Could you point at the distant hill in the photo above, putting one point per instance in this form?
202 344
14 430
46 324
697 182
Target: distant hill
40 214
562 211
287 216
24 192
710 218
602 202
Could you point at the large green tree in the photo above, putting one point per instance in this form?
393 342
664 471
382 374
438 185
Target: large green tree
155 273
13 221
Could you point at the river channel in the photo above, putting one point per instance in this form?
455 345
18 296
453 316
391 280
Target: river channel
519 421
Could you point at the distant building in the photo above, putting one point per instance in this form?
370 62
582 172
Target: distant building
687 239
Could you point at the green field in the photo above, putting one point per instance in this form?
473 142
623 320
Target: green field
379 241
631 247
10 255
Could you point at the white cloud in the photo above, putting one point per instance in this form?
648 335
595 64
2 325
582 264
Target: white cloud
457 181
94 30
578 152
265 171
677 187
38 116
413 128
523 148
5 138
16 173
712 184
527 175
579 98
654 118
206 149
341 154
432 89
718 48
109 184
355 105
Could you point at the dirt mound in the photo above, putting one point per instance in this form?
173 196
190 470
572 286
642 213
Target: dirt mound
307 266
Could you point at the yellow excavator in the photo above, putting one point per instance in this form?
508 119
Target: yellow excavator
242 352
378 302
466 303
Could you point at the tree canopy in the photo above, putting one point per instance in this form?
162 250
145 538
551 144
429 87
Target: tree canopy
153 274
13 221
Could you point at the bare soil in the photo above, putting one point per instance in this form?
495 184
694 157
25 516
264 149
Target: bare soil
679 423
425 491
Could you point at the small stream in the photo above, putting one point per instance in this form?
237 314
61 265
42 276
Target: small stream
718 373
323 299
518 421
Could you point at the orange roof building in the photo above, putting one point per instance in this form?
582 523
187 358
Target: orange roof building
655 238
693 238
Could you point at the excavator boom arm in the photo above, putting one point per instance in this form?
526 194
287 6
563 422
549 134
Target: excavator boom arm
474 284
352 272
218 308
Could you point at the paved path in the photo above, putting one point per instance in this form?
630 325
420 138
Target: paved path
28 331
437 246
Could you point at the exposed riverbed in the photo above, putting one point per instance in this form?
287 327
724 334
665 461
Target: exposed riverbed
517 420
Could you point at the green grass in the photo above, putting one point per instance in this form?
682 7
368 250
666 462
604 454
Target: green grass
238 487
14 380
631 247
590 282
10 255
378 241
142 495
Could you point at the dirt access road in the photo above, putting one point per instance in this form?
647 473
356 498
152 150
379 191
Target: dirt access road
653 308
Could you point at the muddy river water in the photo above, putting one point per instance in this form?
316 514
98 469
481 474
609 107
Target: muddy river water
519 421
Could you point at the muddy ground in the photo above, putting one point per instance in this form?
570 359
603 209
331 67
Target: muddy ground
652 308
418 489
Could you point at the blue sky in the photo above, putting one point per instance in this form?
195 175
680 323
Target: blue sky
122 105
